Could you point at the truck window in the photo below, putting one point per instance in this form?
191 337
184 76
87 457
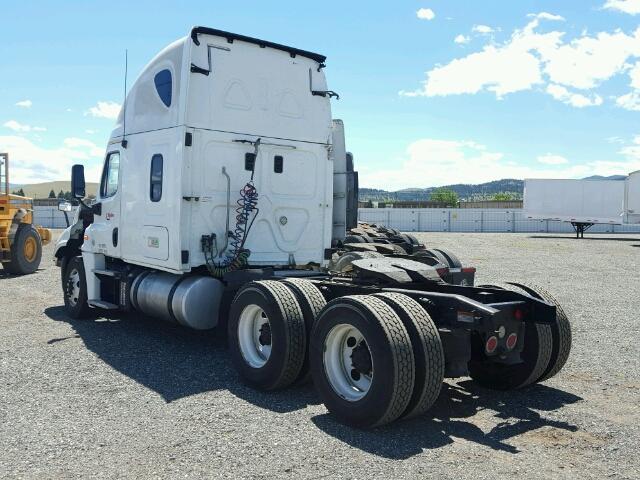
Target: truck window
163 86
155 190
109 183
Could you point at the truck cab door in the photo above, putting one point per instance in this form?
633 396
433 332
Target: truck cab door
104 233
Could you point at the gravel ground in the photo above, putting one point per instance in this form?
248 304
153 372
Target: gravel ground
132 397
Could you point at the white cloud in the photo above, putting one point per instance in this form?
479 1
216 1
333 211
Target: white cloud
630 101
109 110
511 67
425 14
631 7
32 163
546 16
530 58
84 145
24 103
432 162
19 127
90 132
461 39
550 159
482 29
574 99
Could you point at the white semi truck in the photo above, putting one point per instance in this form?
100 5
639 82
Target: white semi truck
228 199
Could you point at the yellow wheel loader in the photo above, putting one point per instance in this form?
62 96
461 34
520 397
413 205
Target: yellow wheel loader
20 241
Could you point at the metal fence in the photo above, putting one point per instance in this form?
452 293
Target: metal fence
473 220
51 217
420 220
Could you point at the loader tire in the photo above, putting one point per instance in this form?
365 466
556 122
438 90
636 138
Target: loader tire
536 358
375 386
311 302
427 350
560 331
26 251
74 285
267 339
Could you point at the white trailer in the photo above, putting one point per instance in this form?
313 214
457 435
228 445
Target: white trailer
632 198
224 201
583 203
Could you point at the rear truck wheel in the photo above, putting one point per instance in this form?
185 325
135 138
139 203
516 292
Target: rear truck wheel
362 361
74 285
445 257
560 332
26 251
343 263
311 303
536 358
427 351
355 239
267 339
453 261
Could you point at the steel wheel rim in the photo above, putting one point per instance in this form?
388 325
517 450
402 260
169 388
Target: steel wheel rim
252 325
29 250
338 362
73 287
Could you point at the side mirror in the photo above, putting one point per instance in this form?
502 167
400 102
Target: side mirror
64 207
77 181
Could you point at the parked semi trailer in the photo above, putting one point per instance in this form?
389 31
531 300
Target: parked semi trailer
228 199
583 203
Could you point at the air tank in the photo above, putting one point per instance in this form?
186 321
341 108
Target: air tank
192 301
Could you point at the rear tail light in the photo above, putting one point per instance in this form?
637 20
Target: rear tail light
469 270
511 341
492 344
442 271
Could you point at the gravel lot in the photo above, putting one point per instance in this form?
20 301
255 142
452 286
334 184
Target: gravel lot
134 397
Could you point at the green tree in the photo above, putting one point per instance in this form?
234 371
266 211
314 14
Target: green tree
445 196
61 194
52 194
502 197
19 192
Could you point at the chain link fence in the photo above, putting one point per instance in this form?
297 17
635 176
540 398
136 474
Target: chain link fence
51 217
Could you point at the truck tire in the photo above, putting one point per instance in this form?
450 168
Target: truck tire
445 257
74 285
345 261
26 251
362 361
427 351
311 303
452 260
355 239
266 331
560 332
536 357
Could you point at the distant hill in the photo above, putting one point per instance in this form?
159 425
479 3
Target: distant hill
464 191
610 177
41 190
481 191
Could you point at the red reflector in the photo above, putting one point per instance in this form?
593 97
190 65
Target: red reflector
511 341
469 270
491 345
442 271
518 314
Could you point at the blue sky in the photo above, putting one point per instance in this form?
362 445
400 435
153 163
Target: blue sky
432 92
